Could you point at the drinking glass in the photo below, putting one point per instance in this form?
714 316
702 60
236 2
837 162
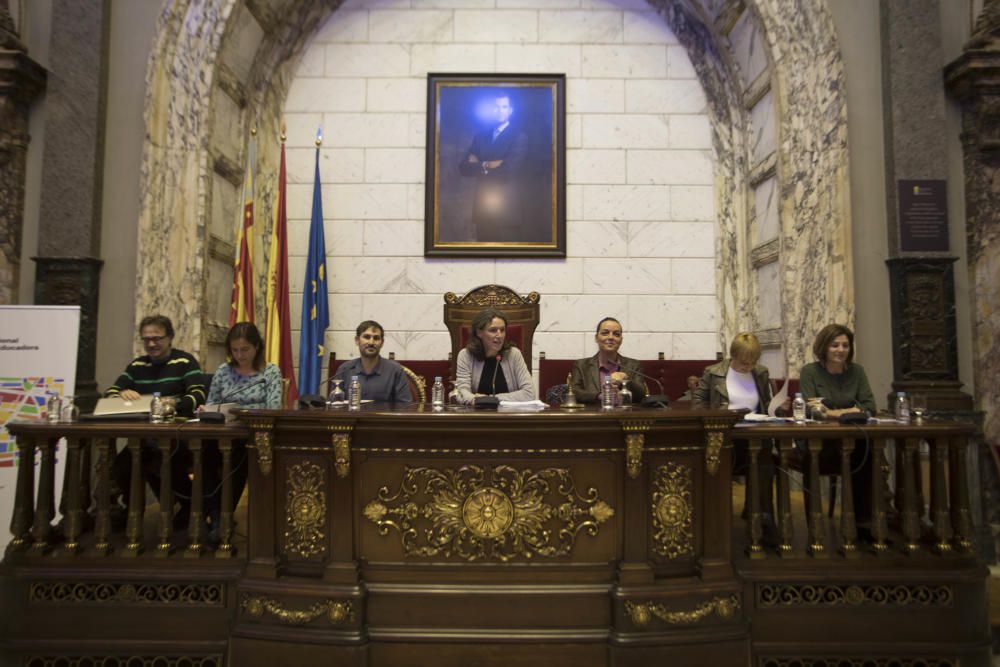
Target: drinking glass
918 404
337 396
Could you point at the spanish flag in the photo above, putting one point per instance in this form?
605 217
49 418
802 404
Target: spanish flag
278 337
241 304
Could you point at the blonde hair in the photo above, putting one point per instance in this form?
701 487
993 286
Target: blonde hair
745 347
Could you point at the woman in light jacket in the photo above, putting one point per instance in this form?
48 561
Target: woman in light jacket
490 365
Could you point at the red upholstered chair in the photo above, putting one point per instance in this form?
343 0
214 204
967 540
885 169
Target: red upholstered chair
522 316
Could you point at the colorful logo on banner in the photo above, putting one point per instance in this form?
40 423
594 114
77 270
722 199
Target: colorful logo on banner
22 398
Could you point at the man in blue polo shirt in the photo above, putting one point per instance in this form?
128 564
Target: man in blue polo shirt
381 379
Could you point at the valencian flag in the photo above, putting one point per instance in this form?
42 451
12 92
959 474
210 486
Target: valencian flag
315 314
241 304
278 337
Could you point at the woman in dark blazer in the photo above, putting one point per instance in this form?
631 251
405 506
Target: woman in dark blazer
587 375
741 383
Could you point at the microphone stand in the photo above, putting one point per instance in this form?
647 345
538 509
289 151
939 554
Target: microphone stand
660 400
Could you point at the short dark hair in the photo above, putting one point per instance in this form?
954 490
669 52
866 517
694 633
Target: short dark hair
369 324
607 319
480 322
247 331
825 338
161 321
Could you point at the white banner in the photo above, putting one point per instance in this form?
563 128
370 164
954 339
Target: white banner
37 357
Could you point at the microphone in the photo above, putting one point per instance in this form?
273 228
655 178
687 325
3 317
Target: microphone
660 400
307 401
493 382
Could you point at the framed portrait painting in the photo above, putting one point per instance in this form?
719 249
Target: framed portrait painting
496 165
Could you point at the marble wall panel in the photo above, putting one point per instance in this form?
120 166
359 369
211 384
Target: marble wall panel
394 165
646 345
672 167
763 128
425 345
336 165
625 131
625 61
626 202
693 276
562 276
692 314
350 25
626 276
397 95
765 198
682 96
229 140
437 276
540 58
491 26
452 58
561 346
578 312
403 25
301 132
749 48
595 96
242 42
366 201
322 94
646 27
600 238
580 27
418 312
365 129
692 202
393 237
595 166
362 60
671 239
694 346
769 296
690 131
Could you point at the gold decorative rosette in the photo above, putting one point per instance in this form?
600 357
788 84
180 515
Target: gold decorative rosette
673 530
482 514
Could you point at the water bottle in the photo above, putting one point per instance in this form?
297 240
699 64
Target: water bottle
902 408
53 407
799 409
607 395
437 393
354 394
156 409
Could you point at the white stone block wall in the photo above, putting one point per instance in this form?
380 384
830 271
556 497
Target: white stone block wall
640 199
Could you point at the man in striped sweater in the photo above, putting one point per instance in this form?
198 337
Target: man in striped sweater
179 379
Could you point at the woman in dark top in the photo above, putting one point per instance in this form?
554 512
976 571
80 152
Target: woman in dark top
843 387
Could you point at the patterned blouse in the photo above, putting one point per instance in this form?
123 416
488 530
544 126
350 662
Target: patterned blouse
260 390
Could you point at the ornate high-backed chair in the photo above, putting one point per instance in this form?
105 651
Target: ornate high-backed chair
522 316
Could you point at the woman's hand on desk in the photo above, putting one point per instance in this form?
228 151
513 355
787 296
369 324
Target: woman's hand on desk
619 377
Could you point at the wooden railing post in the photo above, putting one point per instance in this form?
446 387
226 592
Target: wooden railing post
136 501
880 524
102 527
45 510
817 524
910 517
164 547
225 527
939 499
73 523
755 531
848 526
960 518
784 518
195 532
24 494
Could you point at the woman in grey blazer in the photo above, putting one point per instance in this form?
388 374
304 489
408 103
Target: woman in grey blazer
490 365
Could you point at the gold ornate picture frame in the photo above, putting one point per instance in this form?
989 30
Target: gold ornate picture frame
496 165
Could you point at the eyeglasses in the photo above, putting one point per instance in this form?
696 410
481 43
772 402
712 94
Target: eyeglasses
152 340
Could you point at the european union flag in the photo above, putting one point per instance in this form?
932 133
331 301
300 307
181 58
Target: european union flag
315 311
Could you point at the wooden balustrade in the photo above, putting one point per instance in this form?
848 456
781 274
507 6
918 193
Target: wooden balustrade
86 528
947 518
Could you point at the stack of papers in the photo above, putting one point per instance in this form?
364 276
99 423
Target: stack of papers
527 406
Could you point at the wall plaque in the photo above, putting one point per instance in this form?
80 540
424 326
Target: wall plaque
923 216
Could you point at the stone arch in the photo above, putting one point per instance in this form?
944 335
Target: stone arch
220 66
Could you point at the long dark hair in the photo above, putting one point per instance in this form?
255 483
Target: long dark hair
825 338
480 322
248 332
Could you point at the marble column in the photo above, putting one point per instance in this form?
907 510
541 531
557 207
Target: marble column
925 349
974 79
21 79
69 239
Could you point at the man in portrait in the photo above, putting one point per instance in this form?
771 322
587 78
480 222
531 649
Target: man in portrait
496 159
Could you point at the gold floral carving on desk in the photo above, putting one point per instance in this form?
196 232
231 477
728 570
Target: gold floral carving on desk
262 440
341 440
635 440
715 437
477 513
672 513
641 613
305 511
335 611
